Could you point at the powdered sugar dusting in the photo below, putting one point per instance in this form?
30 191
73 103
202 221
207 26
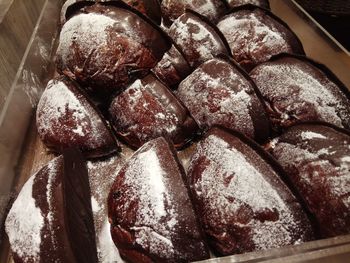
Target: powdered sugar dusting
91 30
102 174
196 39
231 186
145 114
330 164
68 118
311 135
146 182
24 223
295 91
106 249
222 99
234 3
254 36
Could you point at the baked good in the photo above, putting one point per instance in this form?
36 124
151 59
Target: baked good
146 110
240 199
150 8
261 3
172 68
49 222
211 9
297 89
197 39
101 47
316 158
150 209
255 35
220 93
66 118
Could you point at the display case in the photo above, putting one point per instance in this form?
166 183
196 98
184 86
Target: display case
22 153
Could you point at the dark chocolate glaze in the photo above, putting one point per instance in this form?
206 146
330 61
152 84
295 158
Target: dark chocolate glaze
211 9
108 53
62 235
148 109
261 3
150 210
77 207
172 68
220 93
255 35
240 198
317 94
150 8
67 118
315 157
197 38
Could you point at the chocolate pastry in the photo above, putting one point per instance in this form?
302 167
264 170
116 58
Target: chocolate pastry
173 68
150 209
108 45
297 89
241 200
148 109
49 222
198 40
255 35
261 3
150 8
211 9
316 158
66 118
220 93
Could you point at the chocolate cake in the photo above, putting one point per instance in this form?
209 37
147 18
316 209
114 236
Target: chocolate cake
150 209
211 9
220 93
240 198
108 45
255 35
316 158
172 68
66 118
197 39
297 89
261 3
49 222
146 110
150 8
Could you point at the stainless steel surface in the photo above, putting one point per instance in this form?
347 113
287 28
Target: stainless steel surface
21 96
22 153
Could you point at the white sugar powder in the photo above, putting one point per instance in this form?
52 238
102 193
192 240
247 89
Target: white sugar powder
312 135
146 183
230 176
107 251
89 30
24 223
204 43
320 95
219 99
251 34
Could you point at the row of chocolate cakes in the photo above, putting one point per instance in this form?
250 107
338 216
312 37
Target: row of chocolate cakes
241 141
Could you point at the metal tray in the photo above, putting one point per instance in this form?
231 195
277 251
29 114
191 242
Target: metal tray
22 153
